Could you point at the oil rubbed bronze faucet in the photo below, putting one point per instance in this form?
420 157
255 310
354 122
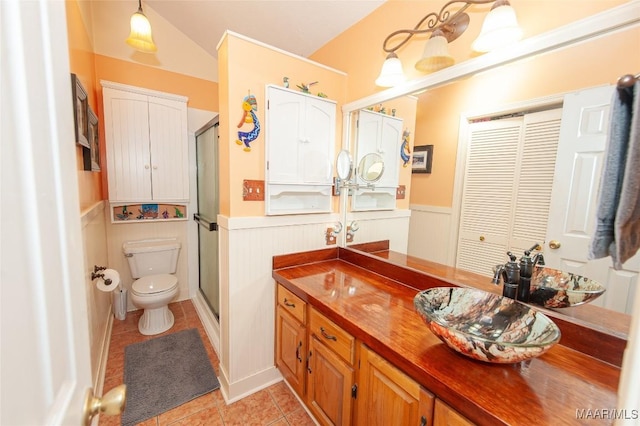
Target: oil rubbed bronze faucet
516 276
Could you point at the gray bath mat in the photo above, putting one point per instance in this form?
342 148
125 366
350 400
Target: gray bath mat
165 372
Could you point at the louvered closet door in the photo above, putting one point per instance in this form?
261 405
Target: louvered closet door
507 189
535 179
488 192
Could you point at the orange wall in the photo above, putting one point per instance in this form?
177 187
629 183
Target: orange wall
81 62
358 51
246 66
91 68
598 62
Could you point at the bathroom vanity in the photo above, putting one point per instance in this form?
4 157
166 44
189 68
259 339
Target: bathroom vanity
348 342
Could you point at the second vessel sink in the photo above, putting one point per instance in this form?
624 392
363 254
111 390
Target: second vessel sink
486 326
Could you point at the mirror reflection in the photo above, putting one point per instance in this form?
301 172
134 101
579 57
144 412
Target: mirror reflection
430 225
371 167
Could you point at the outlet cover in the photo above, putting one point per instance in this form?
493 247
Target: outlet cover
329 237
400 192
253 190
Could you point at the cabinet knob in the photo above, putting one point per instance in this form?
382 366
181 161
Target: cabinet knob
146 166
155 167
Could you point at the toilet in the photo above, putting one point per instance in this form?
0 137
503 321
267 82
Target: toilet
152 263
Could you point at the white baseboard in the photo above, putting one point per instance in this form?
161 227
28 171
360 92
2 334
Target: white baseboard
232 392
209 321
104 356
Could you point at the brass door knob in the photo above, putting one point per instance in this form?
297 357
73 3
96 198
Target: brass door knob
553 244
111 403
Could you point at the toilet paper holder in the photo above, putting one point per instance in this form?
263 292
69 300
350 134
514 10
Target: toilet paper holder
97 274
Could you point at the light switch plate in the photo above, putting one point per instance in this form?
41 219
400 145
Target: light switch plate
253 190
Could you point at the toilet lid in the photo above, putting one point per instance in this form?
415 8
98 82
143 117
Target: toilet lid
154 284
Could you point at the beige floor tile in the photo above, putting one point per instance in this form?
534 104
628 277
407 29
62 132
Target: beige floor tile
285 400
300 418
207 417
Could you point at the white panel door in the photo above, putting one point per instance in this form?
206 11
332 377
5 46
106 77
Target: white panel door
45 368
572 213
169 158
127 144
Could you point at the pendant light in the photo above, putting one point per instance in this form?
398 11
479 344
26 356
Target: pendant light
500 27
436 54
391 73
140 37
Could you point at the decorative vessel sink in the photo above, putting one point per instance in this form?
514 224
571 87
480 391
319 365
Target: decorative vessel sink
553 288
486 326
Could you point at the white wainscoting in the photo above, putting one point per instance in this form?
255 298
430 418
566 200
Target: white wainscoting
247 289
429 233
94 242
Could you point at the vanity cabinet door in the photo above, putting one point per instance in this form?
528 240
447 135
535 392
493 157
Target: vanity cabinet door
447 416
291 349
387 396
329 385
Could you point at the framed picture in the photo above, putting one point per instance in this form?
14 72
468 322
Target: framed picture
94 141
80 108
422 159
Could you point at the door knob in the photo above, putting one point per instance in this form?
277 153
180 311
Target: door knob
111 403
553 244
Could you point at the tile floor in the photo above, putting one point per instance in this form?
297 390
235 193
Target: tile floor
274 406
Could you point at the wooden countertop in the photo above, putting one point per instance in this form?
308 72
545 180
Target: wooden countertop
379 311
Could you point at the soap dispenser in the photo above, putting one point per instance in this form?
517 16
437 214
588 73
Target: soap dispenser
511 277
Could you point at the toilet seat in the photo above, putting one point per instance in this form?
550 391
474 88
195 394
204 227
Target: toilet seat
154 284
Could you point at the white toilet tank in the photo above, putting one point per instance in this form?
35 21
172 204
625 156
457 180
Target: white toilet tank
150 257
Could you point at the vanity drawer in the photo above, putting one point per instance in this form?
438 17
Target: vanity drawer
292 304
334 337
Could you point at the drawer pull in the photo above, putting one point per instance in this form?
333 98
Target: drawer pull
327 335
289 304
309 363
423 421
298 352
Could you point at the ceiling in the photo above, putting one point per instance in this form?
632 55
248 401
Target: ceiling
297 26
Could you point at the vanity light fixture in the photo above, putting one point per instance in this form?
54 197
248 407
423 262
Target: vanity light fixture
499 28
140 37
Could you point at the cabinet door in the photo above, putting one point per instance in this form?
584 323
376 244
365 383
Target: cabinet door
386 396
127 145
447 416
318 142
291 349
329 383
169 149
389 148
300 138
383 135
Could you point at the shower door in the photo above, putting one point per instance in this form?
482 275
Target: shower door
207 179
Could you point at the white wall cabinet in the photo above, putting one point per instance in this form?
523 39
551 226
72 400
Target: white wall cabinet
300 144
146 144
381 134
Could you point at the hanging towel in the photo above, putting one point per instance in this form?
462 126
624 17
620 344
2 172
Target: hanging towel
602 243
627 223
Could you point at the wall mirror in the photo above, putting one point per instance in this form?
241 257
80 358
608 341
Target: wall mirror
476 75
